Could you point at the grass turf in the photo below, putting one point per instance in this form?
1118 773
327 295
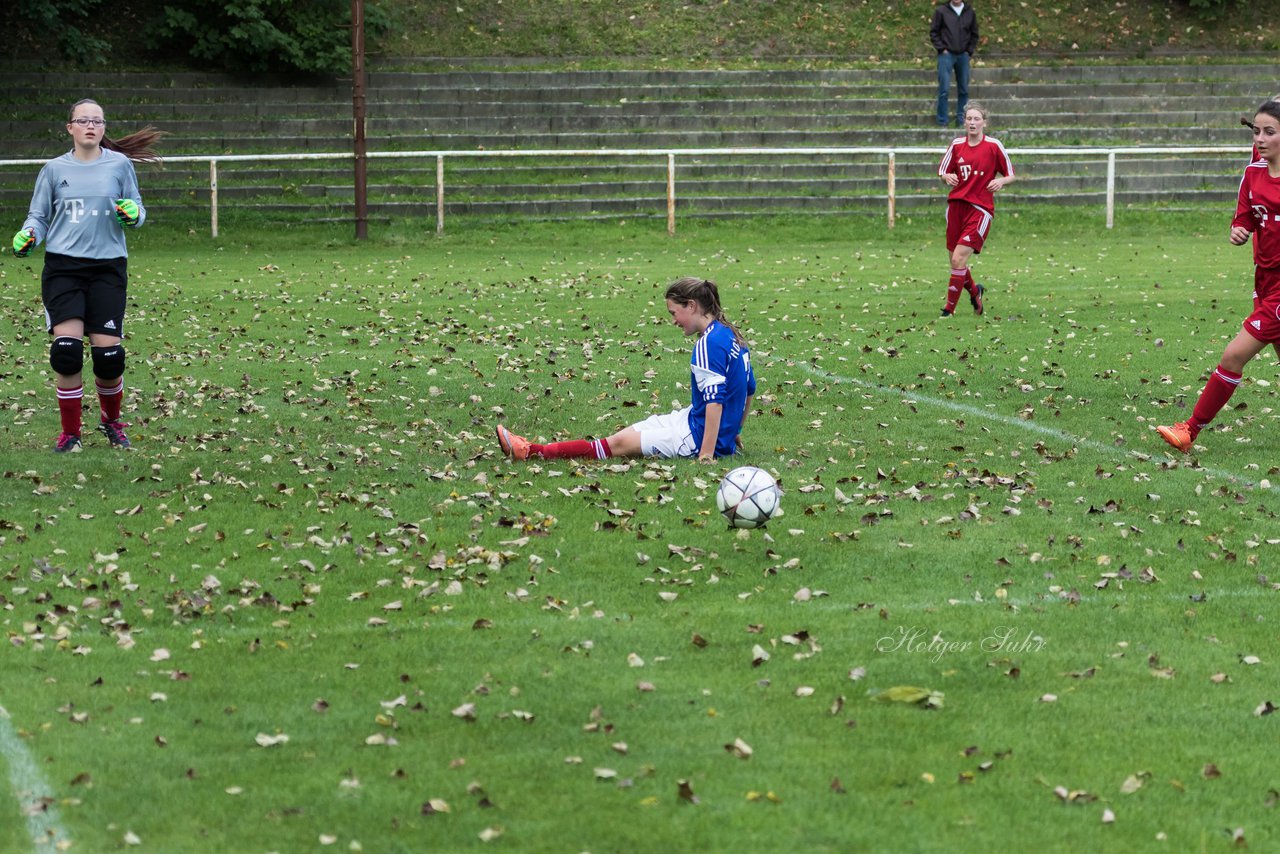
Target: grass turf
316 538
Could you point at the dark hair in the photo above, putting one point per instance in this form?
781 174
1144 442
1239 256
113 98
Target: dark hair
137 146
1270 107
705 293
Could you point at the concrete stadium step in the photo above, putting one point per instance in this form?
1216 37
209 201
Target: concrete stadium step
1059 101
1193 122
427 89
642 124
1133 134
1174 186
1089 74
806 138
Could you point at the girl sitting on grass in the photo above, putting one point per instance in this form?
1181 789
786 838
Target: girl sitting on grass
722 385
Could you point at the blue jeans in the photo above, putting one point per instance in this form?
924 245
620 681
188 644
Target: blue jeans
959 62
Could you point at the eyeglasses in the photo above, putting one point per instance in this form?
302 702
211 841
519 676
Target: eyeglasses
84 123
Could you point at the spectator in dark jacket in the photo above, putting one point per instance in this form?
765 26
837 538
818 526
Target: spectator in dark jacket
954 33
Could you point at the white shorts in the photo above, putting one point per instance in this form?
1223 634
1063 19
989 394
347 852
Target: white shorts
666 435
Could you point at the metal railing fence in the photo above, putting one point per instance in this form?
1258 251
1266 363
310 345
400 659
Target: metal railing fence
890 155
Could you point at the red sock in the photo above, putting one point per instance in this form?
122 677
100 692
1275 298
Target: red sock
969 284
955 286
1217 391
591 449
110 398
69 408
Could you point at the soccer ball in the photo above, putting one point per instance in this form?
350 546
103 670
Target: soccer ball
749 497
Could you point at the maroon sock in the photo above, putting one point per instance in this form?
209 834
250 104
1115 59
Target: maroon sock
109 398
1217 391
591 449
69 408
969 284
955 286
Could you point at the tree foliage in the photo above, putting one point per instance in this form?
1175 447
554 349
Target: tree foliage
257 35
62 27
248 36
1214 9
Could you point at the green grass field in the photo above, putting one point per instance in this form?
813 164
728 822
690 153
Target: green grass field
316 609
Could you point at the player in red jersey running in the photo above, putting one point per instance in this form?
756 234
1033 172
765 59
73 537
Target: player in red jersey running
974 167
1257 214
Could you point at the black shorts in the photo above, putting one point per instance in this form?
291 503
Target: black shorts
88 289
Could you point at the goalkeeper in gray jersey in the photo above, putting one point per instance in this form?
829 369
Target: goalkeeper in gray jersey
83 202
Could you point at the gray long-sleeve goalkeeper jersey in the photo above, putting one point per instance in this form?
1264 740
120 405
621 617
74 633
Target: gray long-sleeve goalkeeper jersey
73 206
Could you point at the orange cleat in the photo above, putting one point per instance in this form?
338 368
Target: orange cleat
515 447
1179 436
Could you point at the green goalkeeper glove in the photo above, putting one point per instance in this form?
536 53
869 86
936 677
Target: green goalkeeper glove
127 212
23 241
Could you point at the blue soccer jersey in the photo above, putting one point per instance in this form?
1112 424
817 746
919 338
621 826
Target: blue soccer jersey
73 206
720 373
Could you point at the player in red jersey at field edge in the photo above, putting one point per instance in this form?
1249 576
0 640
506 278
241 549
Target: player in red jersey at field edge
721 384
975 167
1257 214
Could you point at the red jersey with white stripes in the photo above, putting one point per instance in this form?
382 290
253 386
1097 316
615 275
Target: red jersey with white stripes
1258 210
975 166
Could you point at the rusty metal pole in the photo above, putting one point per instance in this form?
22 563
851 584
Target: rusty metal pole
358 110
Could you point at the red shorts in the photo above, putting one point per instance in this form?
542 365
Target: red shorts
1264 323
967 225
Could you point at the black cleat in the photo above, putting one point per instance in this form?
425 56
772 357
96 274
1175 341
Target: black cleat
114 431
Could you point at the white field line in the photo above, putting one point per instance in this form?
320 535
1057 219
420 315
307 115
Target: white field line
1018 423
29 788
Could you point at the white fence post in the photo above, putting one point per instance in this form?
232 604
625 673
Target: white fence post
213 196
1111 188
440 194
671 193
893 185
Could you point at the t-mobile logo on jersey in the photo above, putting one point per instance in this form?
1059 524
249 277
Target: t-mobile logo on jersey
1260 214
74 208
